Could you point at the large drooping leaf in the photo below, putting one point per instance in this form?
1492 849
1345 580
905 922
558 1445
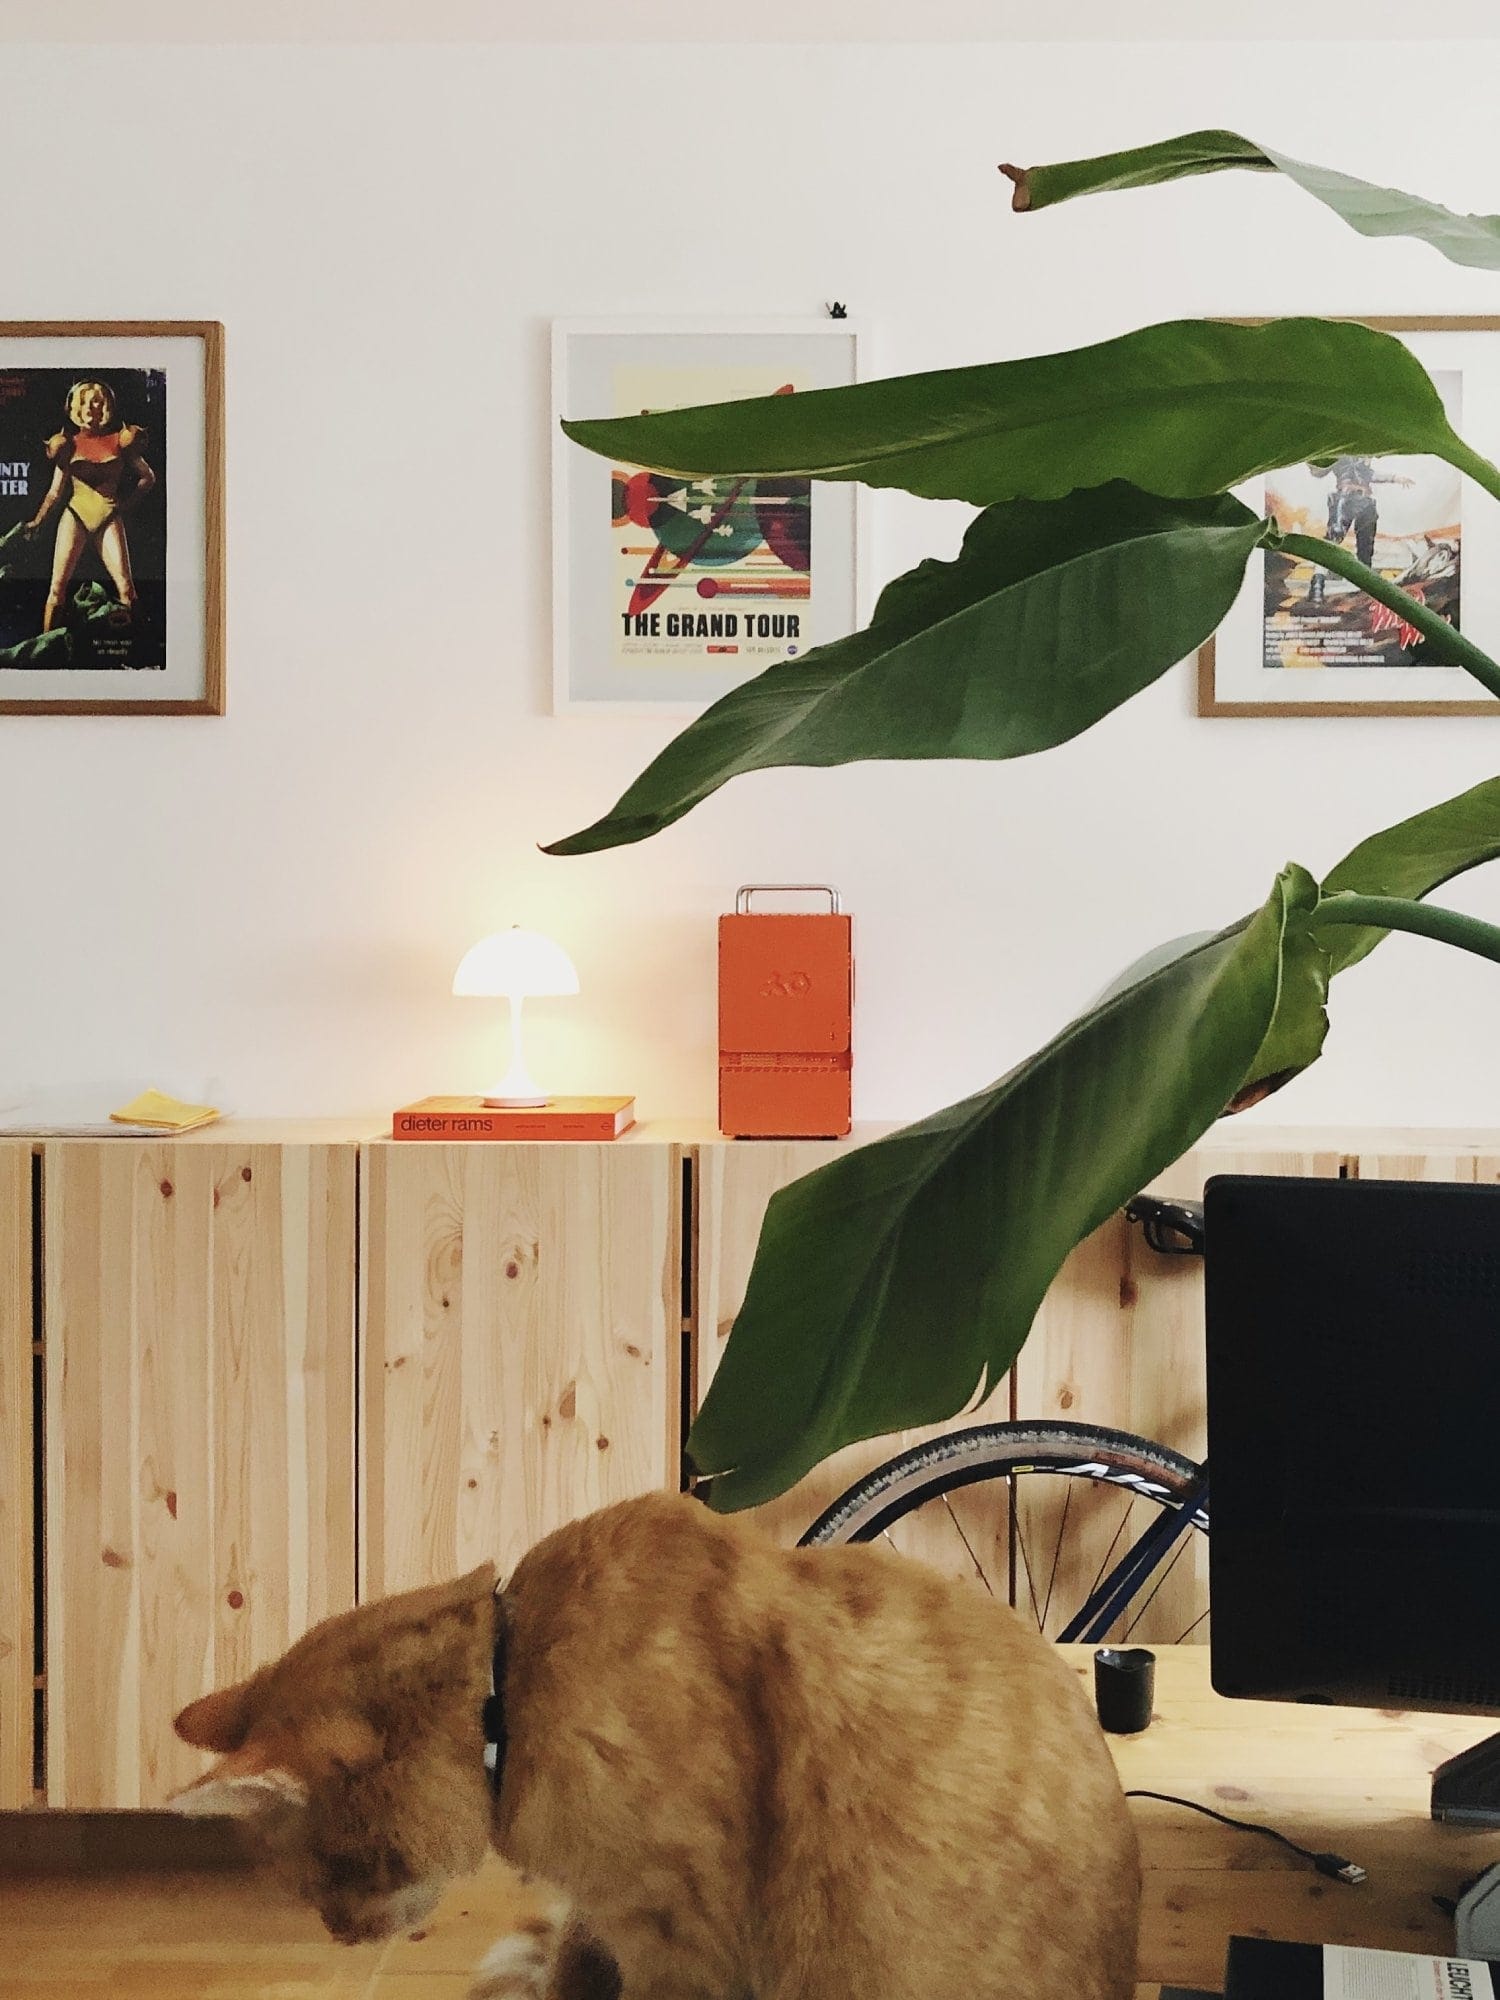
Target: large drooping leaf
1407 861
1299 1027
1372 210
1185 408
1296 1032
1412 859
1053 614
891 1282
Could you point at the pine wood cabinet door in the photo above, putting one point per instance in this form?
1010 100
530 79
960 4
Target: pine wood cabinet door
522 1352
733 1183
17 1502
199 1317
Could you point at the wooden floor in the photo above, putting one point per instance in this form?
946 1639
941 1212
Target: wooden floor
215 1934
1354 1781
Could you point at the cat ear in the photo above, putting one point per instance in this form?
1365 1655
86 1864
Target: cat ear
219 1721
240 1786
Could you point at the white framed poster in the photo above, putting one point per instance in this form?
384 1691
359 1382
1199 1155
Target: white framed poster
1301 641
669 592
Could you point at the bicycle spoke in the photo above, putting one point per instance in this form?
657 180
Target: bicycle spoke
1177 1555
1109 1553
1057 1553
978 1565
1026 1561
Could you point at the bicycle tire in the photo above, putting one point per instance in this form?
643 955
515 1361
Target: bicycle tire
993 1451
926 1472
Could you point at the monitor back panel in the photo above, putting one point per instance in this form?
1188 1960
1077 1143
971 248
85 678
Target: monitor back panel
1354 1440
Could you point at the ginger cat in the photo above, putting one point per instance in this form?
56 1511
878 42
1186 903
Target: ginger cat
752 1773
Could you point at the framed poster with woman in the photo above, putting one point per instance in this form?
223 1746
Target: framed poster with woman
111 518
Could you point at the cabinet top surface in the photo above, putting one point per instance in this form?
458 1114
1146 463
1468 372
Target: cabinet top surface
1231 1135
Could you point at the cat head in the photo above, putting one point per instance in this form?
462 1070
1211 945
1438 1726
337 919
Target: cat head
356 1760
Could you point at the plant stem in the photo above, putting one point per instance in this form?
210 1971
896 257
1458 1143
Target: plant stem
1478 467
1396 913
1445 639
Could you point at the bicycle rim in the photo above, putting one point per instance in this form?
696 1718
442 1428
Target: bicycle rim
1038 1515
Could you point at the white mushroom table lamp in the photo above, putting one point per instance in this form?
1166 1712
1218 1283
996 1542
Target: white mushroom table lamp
515 965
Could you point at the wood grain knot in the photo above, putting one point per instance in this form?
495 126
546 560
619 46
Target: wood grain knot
567 1406
512 1269
1129 1290
632 1350
602 1443
472 1484
246 1175
1231 1792
171 1500
112 1559
1065 1399
166 1189
235 1600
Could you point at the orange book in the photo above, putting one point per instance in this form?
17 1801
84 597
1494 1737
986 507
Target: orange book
472 1118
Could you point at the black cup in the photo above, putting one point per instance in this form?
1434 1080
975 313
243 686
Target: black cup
1124 1687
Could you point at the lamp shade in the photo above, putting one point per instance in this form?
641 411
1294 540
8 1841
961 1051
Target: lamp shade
516 964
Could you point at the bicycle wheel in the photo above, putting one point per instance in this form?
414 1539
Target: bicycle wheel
1050 1517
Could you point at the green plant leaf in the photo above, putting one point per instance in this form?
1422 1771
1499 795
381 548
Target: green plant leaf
1185 408
1053 614
1413 858
1372 210
890 1283
1299 1026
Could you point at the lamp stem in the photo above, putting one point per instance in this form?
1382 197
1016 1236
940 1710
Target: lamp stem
517 1089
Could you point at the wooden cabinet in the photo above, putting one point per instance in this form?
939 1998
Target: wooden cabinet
523 1331
17 1461
499 1338
199 1325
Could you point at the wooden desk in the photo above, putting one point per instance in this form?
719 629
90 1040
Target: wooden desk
1347 1779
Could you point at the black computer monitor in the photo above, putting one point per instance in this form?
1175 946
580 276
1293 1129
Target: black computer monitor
1354 1441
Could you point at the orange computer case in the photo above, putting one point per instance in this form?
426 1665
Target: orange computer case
786 1005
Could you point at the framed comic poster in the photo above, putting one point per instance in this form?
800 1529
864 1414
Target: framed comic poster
669 592
1302 641
111 518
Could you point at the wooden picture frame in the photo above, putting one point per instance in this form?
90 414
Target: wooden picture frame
1235 674
614 554
111 517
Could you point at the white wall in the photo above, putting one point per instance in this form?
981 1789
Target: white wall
272 903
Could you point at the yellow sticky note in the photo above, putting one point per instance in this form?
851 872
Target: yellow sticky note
154 1107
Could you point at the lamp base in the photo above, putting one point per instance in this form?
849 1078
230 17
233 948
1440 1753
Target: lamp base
515 1103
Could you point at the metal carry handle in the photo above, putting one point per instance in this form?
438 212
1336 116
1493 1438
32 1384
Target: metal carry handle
742 895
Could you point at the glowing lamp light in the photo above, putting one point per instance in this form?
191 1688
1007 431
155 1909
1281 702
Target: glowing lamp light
515 965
